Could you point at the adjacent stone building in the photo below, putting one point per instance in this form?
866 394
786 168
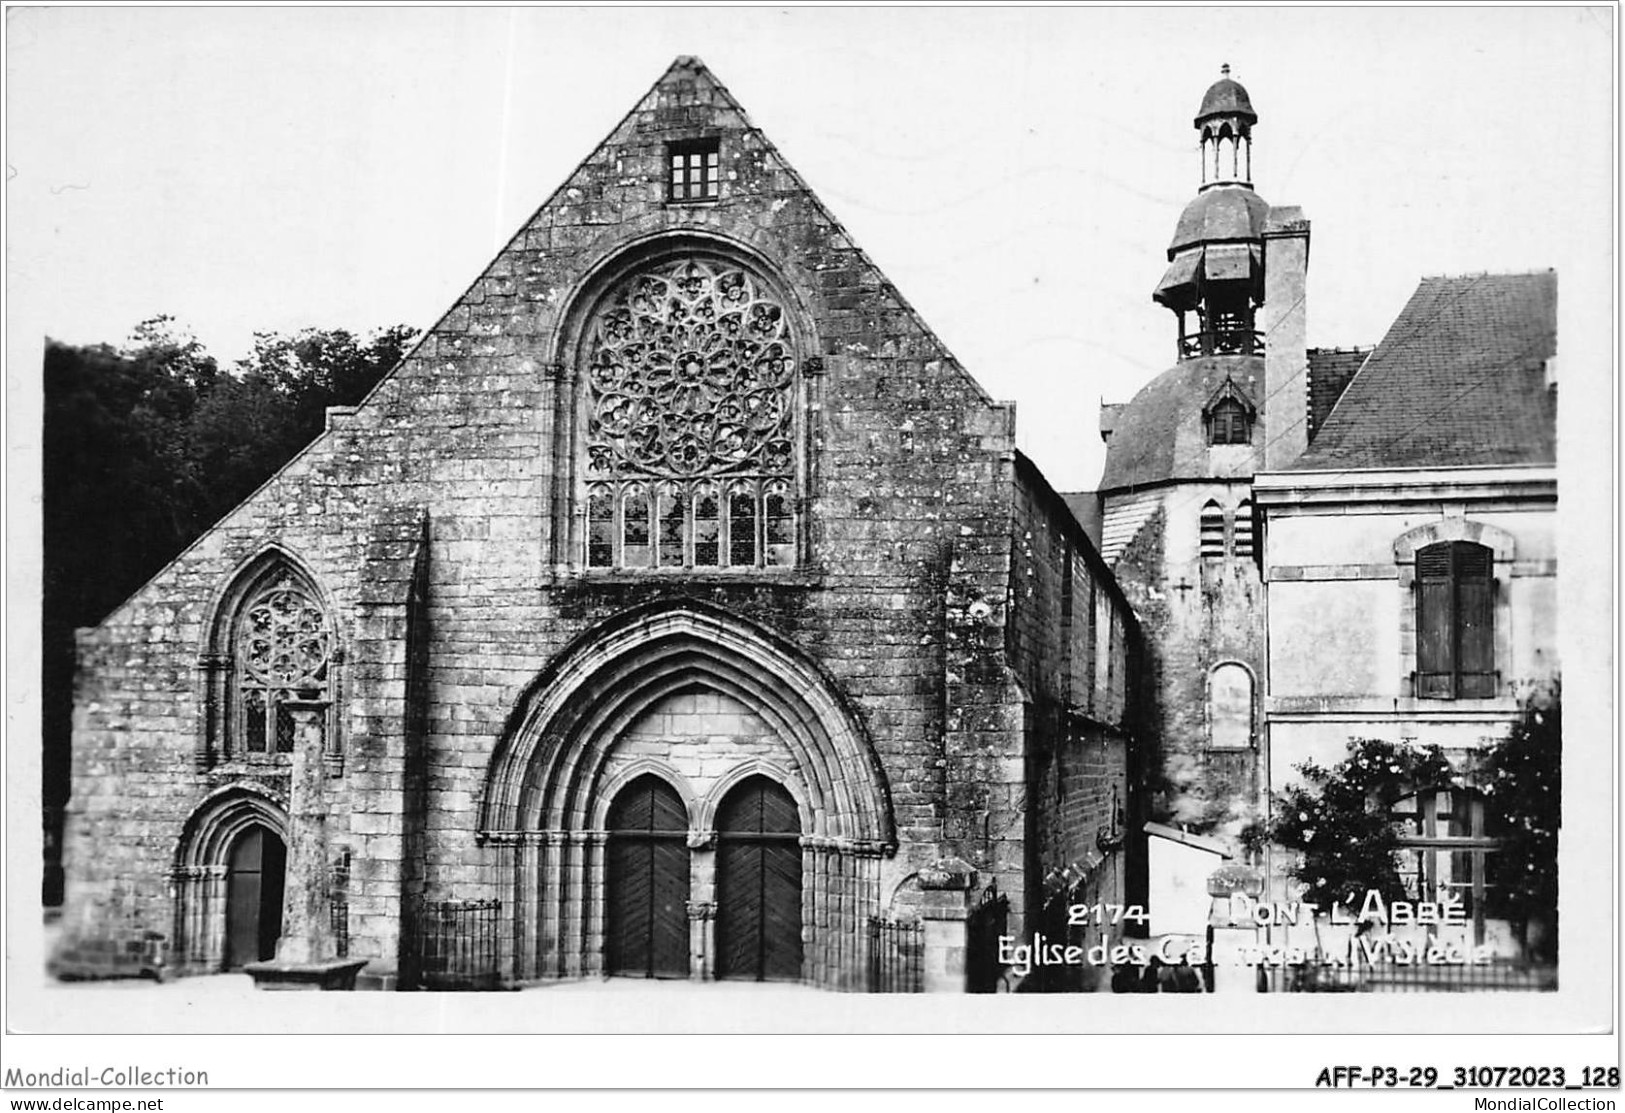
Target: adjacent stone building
1325 544
678 607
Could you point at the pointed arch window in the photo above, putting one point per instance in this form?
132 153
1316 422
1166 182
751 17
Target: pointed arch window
690 375
282 653
1229 413
269 673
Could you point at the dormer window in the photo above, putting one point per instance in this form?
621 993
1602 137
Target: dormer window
1229 425
696 169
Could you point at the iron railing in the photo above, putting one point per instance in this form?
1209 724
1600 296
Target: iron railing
896 954
1416 977
457 945
988 921
1222 342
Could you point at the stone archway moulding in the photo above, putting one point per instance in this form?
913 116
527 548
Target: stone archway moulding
216 822
546 773
1497 540
199 874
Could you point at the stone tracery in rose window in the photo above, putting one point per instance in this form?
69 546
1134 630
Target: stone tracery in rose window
690 369
284 650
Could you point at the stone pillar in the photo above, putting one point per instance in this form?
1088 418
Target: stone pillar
594 900
702 906
307 953
946 887
702 927
213 917
1234 891
306 930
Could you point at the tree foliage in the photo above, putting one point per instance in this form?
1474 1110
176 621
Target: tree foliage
1522 781
1337 818
147 445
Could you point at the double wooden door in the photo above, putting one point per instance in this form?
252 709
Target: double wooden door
758 883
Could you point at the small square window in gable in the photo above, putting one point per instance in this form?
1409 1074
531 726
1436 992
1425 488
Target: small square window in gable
694 169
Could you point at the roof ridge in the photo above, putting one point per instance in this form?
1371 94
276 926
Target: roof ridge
1534 273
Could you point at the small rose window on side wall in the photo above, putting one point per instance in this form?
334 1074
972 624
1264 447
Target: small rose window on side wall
690 460
283 648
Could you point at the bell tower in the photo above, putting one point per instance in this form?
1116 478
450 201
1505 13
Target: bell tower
1237 270
1215 279
1177 517
1226 122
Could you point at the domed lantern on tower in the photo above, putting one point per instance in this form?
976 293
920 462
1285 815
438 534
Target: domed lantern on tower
1226 121
1215 262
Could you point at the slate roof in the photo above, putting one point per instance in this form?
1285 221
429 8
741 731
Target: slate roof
1226 97
1458 381
1085 507
1160 434
1218 214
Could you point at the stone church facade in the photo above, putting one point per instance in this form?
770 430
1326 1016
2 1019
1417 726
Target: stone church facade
679 607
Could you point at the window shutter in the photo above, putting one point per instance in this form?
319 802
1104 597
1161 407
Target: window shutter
1244 529
1475 618
1455 622
1435 623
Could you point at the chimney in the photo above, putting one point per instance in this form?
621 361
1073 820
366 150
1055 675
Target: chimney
1286 345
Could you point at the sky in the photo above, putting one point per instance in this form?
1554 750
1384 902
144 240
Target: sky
1017 174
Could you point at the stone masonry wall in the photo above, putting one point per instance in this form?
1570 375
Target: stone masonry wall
1196 614
900 594
1070 635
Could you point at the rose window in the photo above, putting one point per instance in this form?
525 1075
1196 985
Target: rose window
690 370
284 649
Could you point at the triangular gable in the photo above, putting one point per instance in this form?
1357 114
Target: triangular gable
686 95
476 376
1234 391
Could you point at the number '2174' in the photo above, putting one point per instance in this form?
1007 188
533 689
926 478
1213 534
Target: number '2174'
1080 915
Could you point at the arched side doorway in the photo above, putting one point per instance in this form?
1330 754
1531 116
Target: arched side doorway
255 879
647 882
229 880
759 905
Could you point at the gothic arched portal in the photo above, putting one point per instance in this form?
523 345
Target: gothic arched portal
781 788
229 880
